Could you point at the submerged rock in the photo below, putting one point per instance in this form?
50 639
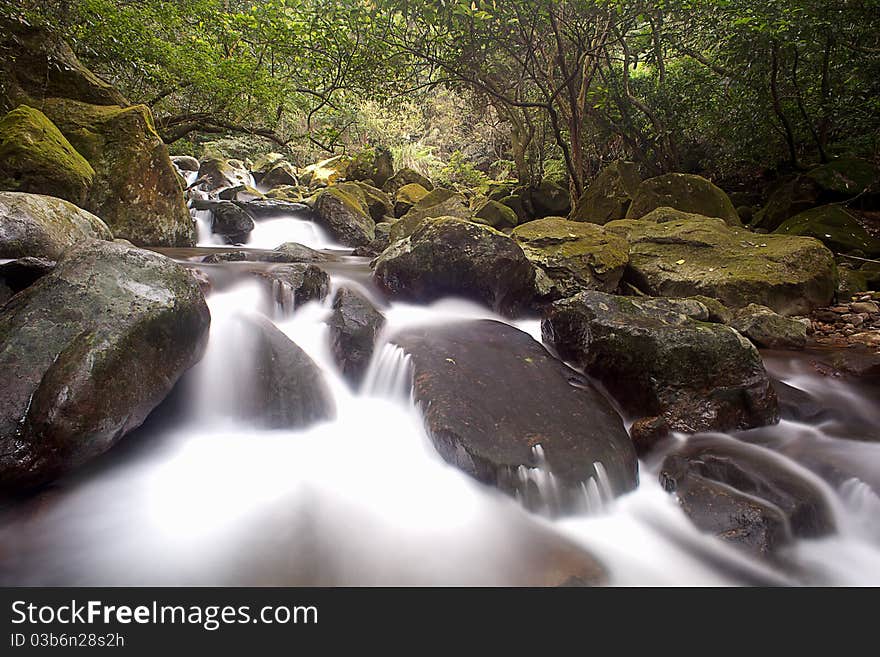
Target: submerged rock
344 217
499 407
572 256
657 361
354 326
682 191
702 256
136 191
88 351
35 157
44 226
745 494
450 257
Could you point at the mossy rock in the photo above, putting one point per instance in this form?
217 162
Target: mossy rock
572 256
609 196
406 197
515 203
682 191
852 282
406 176
266 163
845 177
216 172
36 64
345 216
790 197
44 226
136 190
835 227
326 172
547 199
440 202
372 165
497 215
377 202
35 157
703 256
767 329
283 173
240 193
495 190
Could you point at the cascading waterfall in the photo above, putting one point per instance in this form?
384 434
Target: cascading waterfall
199 496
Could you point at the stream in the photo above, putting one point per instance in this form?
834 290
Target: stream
198 497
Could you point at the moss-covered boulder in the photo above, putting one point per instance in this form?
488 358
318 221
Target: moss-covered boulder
439 202
447 256
682 191
372 165
406 197
497 215
44 226
835 227
845 177
35 157
345 217
283 173
36 64
790 197
547 199
609 196
516 203
326 172
87 352
217 172
405 177
572 256
704 256
136 190
657 361
767 329
377 203
243 193
265 163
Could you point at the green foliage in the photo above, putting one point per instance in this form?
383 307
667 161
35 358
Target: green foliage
458 172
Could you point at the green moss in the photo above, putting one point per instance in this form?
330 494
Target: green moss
846 176
835 227
497 215
35 157
685 192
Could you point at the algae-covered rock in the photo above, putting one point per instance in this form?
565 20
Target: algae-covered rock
835 227
447 256
657 361
688 257
344 216
685 192
35 157
87 352
609 196
136 190
573 256
44 226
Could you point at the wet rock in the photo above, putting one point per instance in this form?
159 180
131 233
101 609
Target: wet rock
259 208
185 162
277 385
685 192
136 191
499 407
767 329
745 494
88 351
450 257
689 257
648 432
291 252
609 196
44 226
293 285
36 158
656 361
229 256
573 256
344 217
354 326
799 405
242 193
20 274
233 223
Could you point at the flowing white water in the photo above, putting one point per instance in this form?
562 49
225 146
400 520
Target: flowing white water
205 498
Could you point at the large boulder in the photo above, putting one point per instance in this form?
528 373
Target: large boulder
217 172
833 226
372 165
406 197
265 163
682 191
136 190
44 226
745 495
609 196
451 257
547 199
230 221
273 383
497 215
283 173
35 157
845 178
658 361
36 64
406 177
376 202
87 352
326 172
294 284
439 202
703 256
354 327
345 217
790 197
499 407
572 256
